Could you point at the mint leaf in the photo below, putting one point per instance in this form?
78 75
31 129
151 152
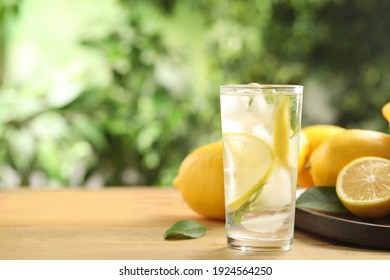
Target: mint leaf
247 206
321 198
250 103
295 118
185 229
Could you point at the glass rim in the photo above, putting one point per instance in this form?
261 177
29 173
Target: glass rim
261 86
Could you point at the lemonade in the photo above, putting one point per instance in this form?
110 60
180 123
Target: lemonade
260 129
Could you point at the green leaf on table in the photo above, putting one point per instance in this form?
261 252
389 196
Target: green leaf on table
185 229
321 198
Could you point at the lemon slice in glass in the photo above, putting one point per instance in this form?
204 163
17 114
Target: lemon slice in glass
282 130
363 186
249 162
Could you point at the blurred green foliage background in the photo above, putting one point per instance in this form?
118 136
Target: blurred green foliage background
110 93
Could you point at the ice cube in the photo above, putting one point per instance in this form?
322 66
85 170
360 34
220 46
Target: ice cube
277 193
294 152
244 123
268 222
259 107
231 126
262 111
260 131
233 107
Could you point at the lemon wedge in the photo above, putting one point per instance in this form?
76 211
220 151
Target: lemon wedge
248 162
282 130
363 186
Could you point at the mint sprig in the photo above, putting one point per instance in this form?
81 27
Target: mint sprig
246 207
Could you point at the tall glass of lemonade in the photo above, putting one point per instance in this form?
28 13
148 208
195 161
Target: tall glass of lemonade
260 131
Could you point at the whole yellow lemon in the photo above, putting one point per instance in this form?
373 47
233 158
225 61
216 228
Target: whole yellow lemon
311 137
386 112
338 150
200 181
317 133
304 151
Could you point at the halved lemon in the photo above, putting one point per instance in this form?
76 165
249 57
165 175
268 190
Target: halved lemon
248 162
363 186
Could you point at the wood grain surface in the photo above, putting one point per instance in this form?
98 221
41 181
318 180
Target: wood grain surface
128 223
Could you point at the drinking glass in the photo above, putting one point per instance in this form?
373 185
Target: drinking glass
260 133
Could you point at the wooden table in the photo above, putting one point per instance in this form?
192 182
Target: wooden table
127 223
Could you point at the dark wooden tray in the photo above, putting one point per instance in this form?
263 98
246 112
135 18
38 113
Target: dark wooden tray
345 228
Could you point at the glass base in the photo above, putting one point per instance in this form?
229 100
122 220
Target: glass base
250 245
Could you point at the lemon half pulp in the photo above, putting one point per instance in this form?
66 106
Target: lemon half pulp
363 186
248 162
